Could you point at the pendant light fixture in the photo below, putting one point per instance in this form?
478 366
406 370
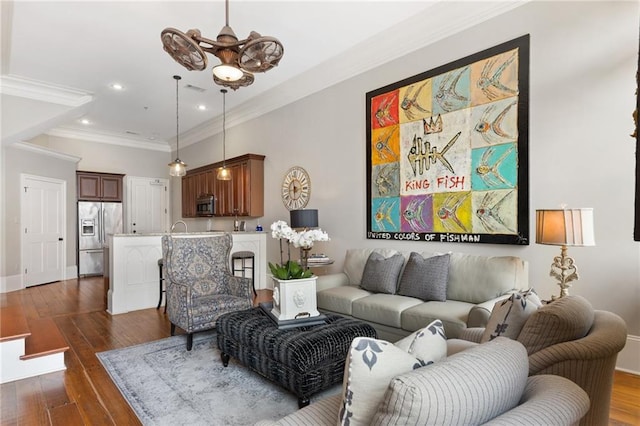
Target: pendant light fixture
177 167
239 58
223 172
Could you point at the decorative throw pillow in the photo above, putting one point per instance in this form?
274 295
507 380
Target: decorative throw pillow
370 365
380 274
425 279
428 345
509 315
565 319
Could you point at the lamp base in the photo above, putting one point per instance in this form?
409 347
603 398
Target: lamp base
564 270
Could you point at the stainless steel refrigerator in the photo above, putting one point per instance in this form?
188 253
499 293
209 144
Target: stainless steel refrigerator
96 220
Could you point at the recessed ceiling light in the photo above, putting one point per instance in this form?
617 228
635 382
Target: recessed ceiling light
85 121
117 86
202 107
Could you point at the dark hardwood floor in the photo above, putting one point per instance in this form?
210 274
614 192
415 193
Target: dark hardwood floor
85 395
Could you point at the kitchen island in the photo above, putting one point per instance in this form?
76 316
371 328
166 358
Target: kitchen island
133 266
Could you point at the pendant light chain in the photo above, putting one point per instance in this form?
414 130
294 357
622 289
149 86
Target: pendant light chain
177 77
224 127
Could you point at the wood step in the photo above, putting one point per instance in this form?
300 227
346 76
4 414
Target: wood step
45 339
13 324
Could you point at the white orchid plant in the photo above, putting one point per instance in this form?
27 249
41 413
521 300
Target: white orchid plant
304 240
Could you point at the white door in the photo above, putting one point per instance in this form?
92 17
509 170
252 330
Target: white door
43 215
147 200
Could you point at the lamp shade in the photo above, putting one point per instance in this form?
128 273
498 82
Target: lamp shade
304 218
565 227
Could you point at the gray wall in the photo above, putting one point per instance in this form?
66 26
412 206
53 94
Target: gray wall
582 86
95 156
15 162
100 157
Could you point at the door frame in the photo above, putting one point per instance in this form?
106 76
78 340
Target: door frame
23 179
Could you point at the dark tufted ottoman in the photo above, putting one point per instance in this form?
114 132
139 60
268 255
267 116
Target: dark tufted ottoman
304 360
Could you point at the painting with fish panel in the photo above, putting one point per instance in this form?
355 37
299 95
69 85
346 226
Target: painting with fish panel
447 151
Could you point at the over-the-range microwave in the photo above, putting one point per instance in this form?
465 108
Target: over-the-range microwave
205 205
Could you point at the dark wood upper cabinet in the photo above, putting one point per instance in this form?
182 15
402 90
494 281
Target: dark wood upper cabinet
93 186
243 195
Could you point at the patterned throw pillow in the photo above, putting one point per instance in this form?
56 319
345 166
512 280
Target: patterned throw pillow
509 315
372 363
428 345
425 279
380 274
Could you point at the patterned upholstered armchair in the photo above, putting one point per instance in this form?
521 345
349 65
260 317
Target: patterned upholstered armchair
200 286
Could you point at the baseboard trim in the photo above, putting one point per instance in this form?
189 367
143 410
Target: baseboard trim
71 272
14 282
628 359
11 283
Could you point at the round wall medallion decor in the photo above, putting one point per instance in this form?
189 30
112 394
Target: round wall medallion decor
296 188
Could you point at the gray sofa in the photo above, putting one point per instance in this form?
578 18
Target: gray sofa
474 285
487 384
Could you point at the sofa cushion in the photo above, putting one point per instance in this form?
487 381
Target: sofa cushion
509 315
355 259
384 309
452 313
470 387
476 279
339 299
381 273
565 319
425 279
428 344
370 365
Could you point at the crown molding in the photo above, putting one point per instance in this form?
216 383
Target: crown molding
38 90
446 20
45 151
109 138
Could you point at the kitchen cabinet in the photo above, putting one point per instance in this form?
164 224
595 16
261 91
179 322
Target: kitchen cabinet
93 186
243 195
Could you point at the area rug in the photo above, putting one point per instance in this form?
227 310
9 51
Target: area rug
167 385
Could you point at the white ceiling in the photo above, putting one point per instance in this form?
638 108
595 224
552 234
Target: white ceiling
77 49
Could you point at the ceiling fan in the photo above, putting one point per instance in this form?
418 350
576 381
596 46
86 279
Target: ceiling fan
239 58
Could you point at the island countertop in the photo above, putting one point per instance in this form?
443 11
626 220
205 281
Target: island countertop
134 271
214 232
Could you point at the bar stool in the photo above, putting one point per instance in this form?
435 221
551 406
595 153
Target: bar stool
244 257
160 265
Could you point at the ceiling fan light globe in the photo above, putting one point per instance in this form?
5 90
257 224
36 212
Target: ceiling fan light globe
227 72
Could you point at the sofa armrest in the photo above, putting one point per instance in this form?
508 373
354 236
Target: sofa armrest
480 313
539 403
473 334
331 280
323 412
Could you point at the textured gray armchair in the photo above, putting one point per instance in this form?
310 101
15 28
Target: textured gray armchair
569 338
200 286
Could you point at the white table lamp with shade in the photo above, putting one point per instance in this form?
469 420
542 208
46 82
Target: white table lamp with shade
565 227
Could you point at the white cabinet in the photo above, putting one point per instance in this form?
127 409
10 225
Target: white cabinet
146 207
